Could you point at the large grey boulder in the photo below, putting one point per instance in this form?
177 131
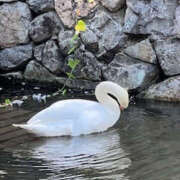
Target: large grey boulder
168 90
150 17
49 55
168 53
14 23
41 6
12 58
143 51
130 73
44 26
107 32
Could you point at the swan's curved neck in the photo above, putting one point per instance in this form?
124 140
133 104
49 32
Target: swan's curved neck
103 97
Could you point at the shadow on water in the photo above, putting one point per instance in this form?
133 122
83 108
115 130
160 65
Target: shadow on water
143 145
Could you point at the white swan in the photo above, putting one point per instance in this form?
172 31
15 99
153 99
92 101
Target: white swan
77 116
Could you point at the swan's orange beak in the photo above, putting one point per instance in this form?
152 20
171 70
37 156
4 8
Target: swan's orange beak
121 108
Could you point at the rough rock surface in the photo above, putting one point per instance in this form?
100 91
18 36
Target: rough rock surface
49 55
69 10
65 41
44 26
150 17
130 73
107 31
14 22
168 53
177 22
113 5
90 43
168 90
143 51
41 6
83 8
65 11
36 72
11 58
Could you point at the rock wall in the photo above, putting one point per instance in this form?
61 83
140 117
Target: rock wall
134 43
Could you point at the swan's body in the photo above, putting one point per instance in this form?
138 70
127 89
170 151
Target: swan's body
77 116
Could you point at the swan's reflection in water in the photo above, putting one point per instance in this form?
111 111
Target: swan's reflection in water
97 156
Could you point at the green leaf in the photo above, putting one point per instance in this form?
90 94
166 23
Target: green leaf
70 75
64 92
72 63
80 26
7 102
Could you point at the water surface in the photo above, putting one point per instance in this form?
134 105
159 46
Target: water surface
143 145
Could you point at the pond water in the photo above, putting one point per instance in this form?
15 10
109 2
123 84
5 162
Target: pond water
143 145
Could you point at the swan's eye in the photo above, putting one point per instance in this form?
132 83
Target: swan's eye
112 96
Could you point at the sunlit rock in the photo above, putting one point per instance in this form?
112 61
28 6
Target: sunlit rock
69 11
14 22
64 10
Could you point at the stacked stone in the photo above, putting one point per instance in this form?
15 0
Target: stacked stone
134 43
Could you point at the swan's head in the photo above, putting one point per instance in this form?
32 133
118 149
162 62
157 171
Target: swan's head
112 89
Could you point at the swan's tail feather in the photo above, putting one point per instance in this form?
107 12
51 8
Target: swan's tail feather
23 126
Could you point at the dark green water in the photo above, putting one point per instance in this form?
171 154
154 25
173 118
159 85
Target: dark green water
143 145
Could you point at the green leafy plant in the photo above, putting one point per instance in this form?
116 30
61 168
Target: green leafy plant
6 103
72 63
